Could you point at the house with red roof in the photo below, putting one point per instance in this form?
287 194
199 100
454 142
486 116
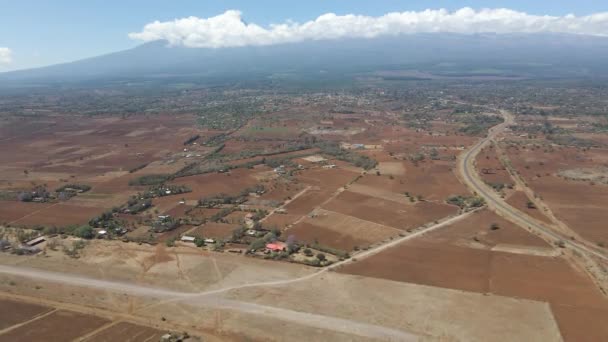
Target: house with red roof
276 246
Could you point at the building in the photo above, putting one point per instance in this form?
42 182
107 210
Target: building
187 238
276 246
36 241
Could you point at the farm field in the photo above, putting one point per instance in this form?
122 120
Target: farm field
463 257
259 212
58 326
389 213
14 312
575 202
340 231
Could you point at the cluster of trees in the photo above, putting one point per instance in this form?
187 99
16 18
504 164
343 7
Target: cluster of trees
154 179
192 139
479 124
466 202
359 160
38 192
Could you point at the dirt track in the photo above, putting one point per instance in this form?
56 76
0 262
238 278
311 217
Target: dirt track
202 299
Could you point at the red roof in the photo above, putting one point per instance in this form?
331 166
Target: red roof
276 246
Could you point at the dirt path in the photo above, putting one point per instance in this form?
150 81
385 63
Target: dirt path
308 319
286 203
33 212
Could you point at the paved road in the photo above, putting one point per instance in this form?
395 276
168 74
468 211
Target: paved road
496 203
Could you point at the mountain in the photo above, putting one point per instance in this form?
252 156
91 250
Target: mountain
532 55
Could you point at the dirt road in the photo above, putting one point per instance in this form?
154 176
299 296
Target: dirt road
195 299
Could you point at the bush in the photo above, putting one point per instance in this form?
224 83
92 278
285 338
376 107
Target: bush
84 232
150 180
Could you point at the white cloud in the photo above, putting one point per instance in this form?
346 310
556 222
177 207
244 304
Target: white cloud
5 55
229 30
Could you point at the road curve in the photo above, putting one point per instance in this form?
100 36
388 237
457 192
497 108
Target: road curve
496 203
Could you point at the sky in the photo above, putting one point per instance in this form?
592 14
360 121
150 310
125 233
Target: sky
44 32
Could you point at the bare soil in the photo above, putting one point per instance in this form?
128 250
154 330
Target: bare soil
58 326
14 312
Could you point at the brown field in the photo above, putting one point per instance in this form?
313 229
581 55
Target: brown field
13 210
280 221
235 217
340 231
128 332
210 184
58 326
214 230
179 210
435 181
389 213
478 225
581 324
14 312
577 203
60 215
519 200
308 201
428 263
91 146
327 179
202 213
449 258
497 173
175 233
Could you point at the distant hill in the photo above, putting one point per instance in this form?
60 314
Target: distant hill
531 55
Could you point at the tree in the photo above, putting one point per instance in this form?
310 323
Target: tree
308 252
530 205
494 226
321 257
84 232
257 244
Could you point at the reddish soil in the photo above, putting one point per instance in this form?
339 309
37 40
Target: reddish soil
478 225
128 332
280 221
17 312
214 230
280 192
327 179
389 213
581 324
58 326
308 201
13 210
496 172
427 263
202 213
519 200
175 233
433 180
235 217
60 215
579 204
311 233
210 184
179 211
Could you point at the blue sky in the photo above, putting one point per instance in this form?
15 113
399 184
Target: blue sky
50 31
